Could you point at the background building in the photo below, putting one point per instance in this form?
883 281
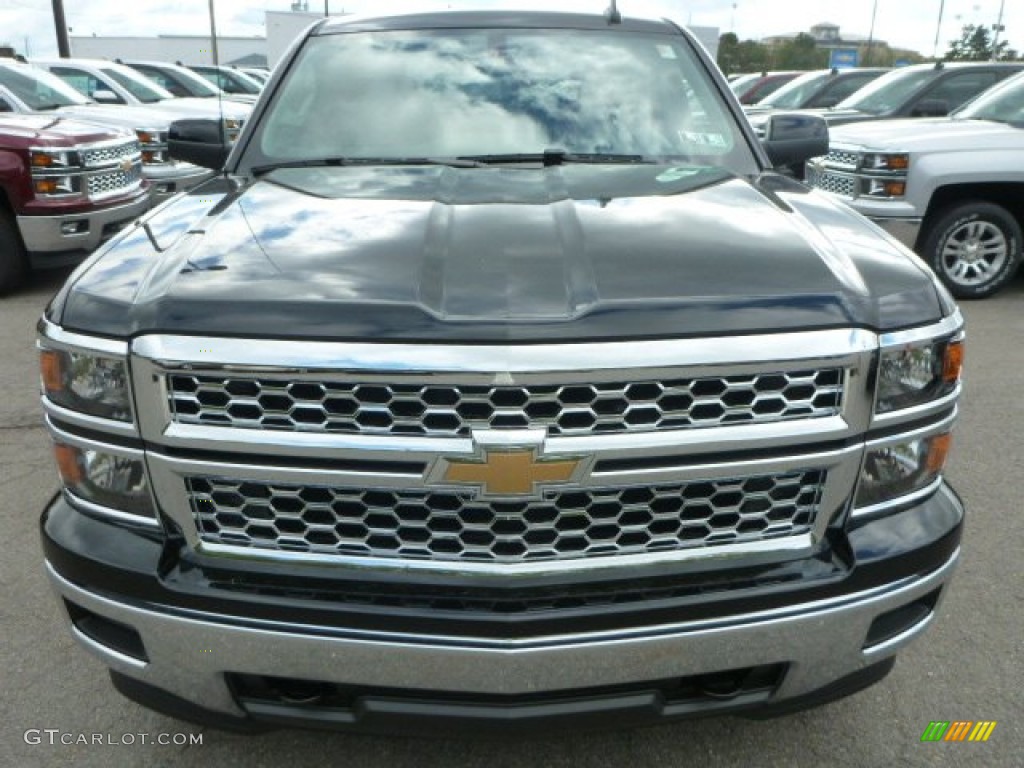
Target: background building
190 49
826 35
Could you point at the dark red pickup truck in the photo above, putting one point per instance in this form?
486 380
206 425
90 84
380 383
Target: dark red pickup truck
65 186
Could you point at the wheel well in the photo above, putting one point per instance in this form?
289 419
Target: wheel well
1010 196
7 209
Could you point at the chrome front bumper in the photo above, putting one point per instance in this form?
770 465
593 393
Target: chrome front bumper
165 181
188 656
42 234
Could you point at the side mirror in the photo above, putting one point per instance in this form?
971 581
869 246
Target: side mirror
103 96
5 107
930 108
198 141
790 139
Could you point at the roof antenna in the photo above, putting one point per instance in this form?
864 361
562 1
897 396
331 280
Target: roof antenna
612 14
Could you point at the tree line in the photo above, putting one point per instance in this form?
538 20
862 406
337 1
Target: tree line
976 43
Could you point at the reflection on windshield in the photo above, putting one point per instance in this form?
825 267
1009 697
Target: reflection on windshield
1003 103
888 92
796 92
484 92
141 90
40 90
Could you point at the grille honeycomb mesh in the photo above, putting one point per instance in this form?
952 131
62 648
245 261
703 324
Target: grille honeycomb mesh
453 410
424 524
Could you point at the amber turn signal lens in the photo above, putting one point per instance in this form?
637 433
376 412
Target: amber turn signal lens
899 162
953 361
45 186
51 370
42 160
938 451
68 464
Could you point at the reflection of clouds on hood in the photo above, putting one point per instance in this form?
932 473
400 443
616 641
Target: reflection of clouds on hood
459 92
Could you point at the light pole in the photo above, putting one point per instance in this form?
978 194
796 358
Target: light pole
60 22
998 28
213 36
938 29
871 33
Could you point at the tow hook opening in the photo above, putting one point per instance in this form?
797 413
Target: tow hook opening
899 620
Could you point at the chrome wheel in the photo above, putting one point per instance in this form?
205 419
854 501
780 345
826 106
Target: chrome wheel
974 252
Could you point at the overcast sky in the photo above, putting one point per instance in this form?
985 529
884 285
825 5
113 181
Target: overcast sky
902 23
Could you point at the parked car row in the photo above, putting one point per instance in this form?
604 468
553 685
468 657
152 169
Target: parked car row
85 151
932 153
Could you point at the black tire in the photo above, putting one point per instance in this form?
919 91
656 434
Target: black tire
13 260
974 247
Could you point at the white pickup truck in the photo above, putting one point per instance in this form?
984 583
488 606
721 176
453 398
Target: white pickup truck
950 188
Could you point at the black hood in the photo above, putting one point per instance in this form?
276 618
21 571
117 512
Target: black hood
574 252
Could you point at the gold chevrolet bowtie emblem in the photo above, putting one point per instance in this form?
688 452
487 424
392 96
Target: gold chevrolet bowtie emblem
510 472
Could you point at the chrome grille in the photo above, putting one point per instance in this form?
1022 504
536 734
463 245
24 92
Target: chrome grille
840 157
844 186
421 524
111 182
455 409
110 155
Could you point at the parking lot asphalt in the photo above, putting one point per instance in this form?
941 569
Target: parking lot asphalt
968 666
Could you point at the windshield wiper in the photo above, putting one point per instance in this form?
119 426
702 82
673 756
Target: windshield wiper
551 157
332 162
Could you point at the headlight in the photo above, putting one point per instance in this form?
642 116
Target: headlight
51 158
86 383
917 373
57 185
900 469
111 481
886 188
886 161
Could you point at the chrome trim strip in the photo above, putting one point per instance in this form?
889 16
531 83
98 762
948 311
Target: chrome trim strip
51 335
946 327
703 558
89 444
111 513
86 421
274 356
877 510
919 411
822 640
320 445
935 428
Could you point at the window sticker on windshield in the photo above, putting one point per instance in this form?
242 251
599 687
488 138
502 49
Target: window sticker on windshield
675 174
715 140
666 51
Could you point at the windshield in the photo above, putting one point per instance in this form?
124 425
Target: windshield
229 82
889 92
142 89
1004 103
38 89
481 92
796 92
193 83
742 84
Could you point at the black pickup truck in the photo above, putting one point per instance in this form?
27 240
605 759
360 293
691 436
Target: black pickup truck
497 381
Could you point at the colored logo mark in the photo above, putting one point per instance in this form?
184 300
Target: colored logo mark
958 730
